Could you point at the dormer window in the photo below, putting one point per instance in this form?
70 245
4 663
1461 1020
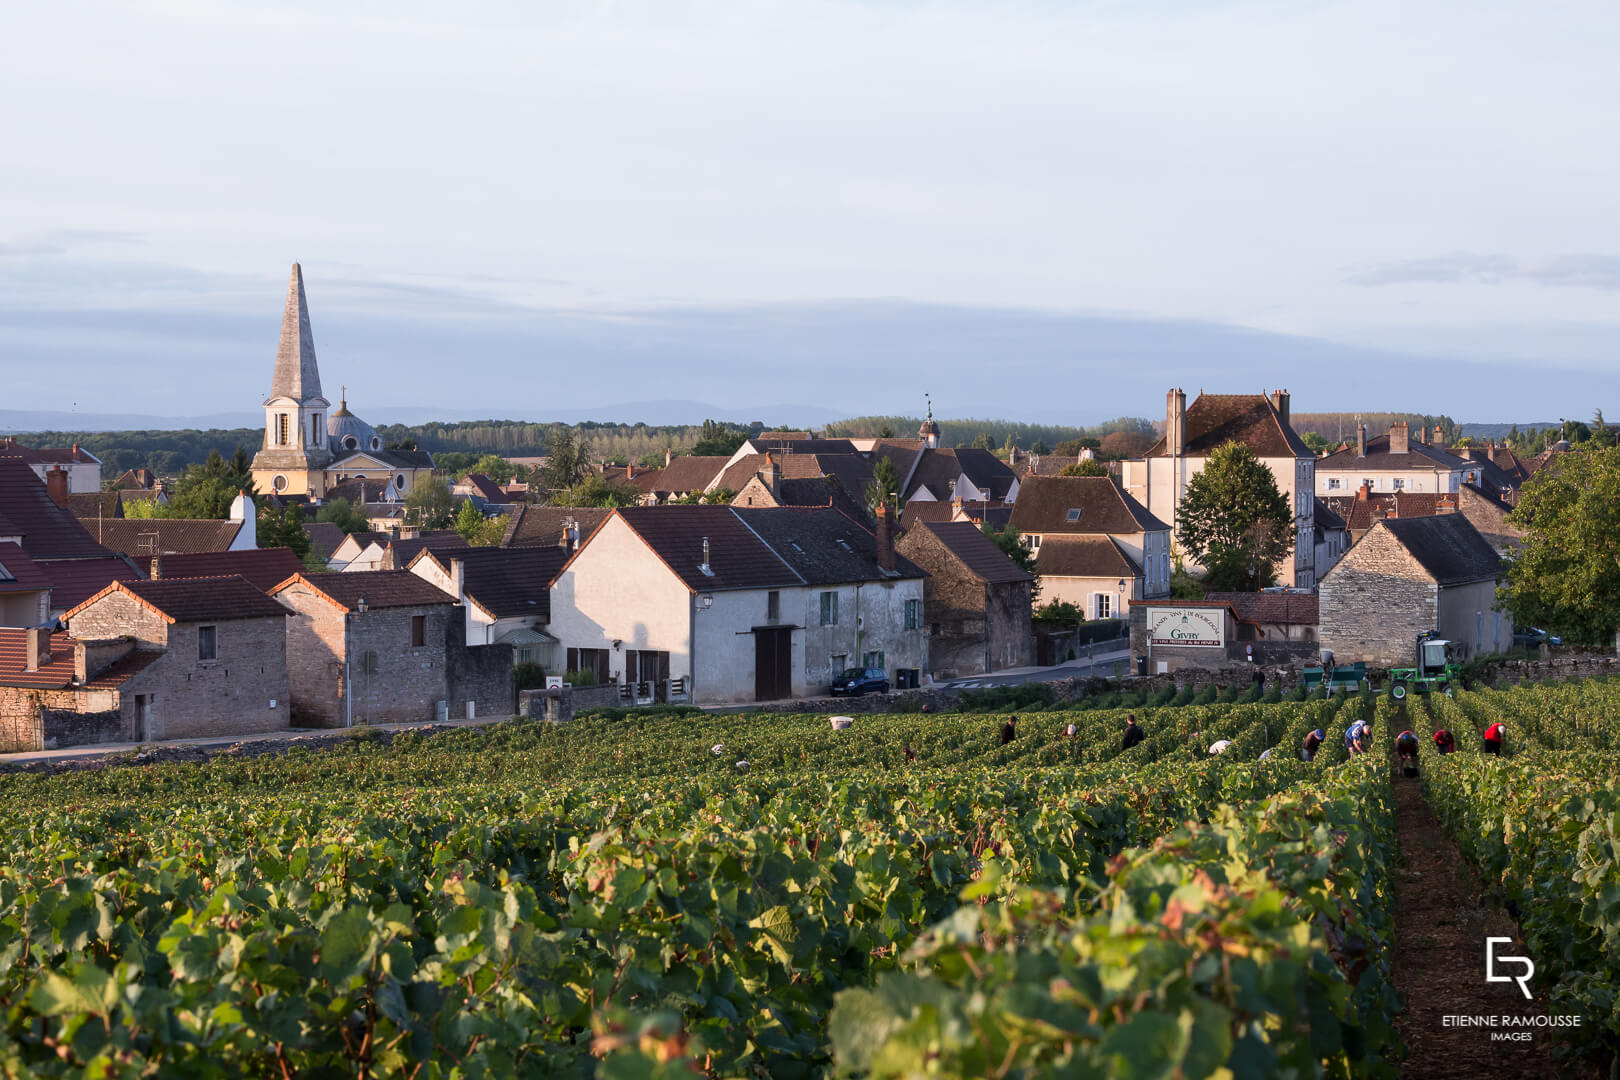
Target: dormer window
350 443
1073 515
376 443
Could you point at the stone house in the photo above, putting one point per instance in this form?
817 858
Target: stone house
212 656
505 594
141 538
1095 546
56 692
1399 461
1484 510
78 468
1158 479
384 647
1409 575
1275 614
25 589
740 604
978 600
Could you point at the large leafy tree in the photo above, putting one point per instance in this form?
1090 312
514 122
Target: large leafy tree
718 440
338 511
598 490
283 528
476 529
1566 576
1235 521
207 490
430 505
567 460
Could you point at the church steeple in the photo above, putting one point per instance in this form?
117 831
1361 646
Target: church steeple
296 375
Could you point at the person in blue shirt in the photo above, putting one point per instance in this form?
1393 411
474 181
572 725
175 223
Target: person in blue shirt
1356 737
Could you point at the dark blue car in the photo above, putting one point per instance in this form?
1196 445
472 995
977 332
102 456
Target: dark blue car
860 681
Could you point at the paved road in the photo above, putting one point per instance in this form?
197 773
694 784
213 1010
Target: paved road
1101 665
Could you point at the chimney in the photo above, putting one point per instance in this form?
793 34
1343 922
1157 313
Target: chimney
771 476
669 456
1279 401
629 472
1175 423
458 578
885 538
242 509
1439 437
1361 440
38 647
56 485
1445 504
704 566
1363 491
157 567
1399 442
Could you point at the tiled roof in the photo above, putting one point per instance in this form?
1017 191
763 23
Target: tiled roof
920 510
144 537
1449 548
50 455
542 526
508 582
95 504
738 557
55 674
1046 505
977 552
1084 556
135 479
73 581
760 444
1325 519
687 474
485 488
938 470
796 466
405 550
1280 608
211 599
1420 457
19 573
324 537
823 546
1213 420
48 531
378 588
265 568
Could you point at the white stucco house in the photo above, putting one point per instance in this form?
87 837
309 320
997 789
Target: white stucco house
506 591
742 604
1398 461
1095 546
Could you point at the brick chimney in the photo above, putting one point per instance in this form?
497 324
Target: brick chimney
885 538
771 476
56 485
1279 401
1363 491
1399 439
37 647
157 567
1361 440
669 456
630 471
1175 423
1445 504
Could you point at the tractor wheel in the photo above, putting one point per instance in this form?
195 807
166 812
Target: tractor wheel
1398 691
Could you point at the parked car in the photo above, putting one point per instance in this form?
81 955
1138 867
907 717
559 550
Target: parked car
1532 637
860 681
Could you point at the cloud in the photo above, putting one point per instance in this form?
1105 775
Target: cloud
61 241
1586 271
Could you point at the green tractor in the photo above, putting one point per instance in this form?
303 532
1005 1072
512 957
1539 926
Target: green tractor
1437 668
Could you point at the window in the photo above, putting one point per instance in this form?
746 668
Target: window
1369 483
399 481
773 606
281 429
829 609
1073 515
1399 483
1333 483
913 614
279 483
207 643
349 442
418 631
873 659
840 661
645 665
589 661
1101 605
1032 541
376 443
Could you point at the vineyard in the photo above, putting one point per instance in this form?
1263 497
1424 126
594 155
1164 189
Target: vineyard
666 895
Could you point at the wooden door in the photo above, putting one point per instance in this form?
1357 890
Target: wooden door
773 664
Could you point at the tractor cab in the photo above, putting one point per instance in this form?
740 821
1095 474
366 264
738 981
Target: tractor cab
1438 665
1433 656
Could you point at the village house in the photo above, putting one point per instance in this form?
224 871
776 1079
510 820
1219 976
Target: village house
25 589
1406 576
34 515
56 692
739 605
1159 479
679 478
385 647
141 538
78 467
1484 510
552 526
1275 614
1095 546
1398 461
977 599
771 486
1330 536
506 593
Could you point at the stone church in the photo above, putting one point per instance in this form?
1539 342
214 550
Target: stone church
309 450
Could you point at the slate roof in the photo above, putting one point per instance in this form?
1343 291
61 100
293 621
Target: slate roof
296 374
178 600
265 568
95 504
977 552
507 582
1213 420
918 511
324 537
438 540
542 526
1084 556
1280 608
938 470
1324 517
57 674
1045 502
1420 457
48 531
824 546
1448 548
19 573
144 537
379 589
73 581
738 557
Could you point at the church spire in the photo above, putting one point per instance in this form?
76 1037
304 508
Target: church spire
296 374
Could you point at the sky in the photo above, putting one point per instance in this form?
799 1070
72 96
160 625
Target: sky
519 209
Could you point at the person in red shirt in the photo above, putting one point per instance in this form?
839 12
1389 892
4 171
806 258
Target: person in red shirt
1493 738
1444 741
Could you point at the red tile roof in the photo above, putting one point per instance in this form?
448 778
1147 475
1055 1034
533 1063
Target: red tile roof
48 531
265 568
1084 556
1079 505
19 573
55 455
55 674
1213 420
738 558
378 588
1280 608
506 582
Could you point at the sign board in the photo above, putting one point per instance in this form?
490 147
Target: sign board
1187 627
554 682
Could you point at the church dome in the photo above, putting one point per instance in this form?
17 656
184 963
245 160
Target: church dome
347 432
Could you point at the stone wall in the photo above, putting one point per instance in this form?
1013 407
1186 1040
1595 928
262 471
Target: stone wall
1375 602
1563 667
48 719
408 682
315 643
477 674
120 615
244 690
962 612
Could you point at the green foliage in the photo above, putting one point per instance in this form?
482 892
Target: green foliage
206 490
719 439
1565 577
1011 543
430 504
1183 586
1084 468
885 485
720 496
569 461
1235 521
476 529
283 528
597 490
983 441
1059 611
338 511
496 468
1316 443
529 676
